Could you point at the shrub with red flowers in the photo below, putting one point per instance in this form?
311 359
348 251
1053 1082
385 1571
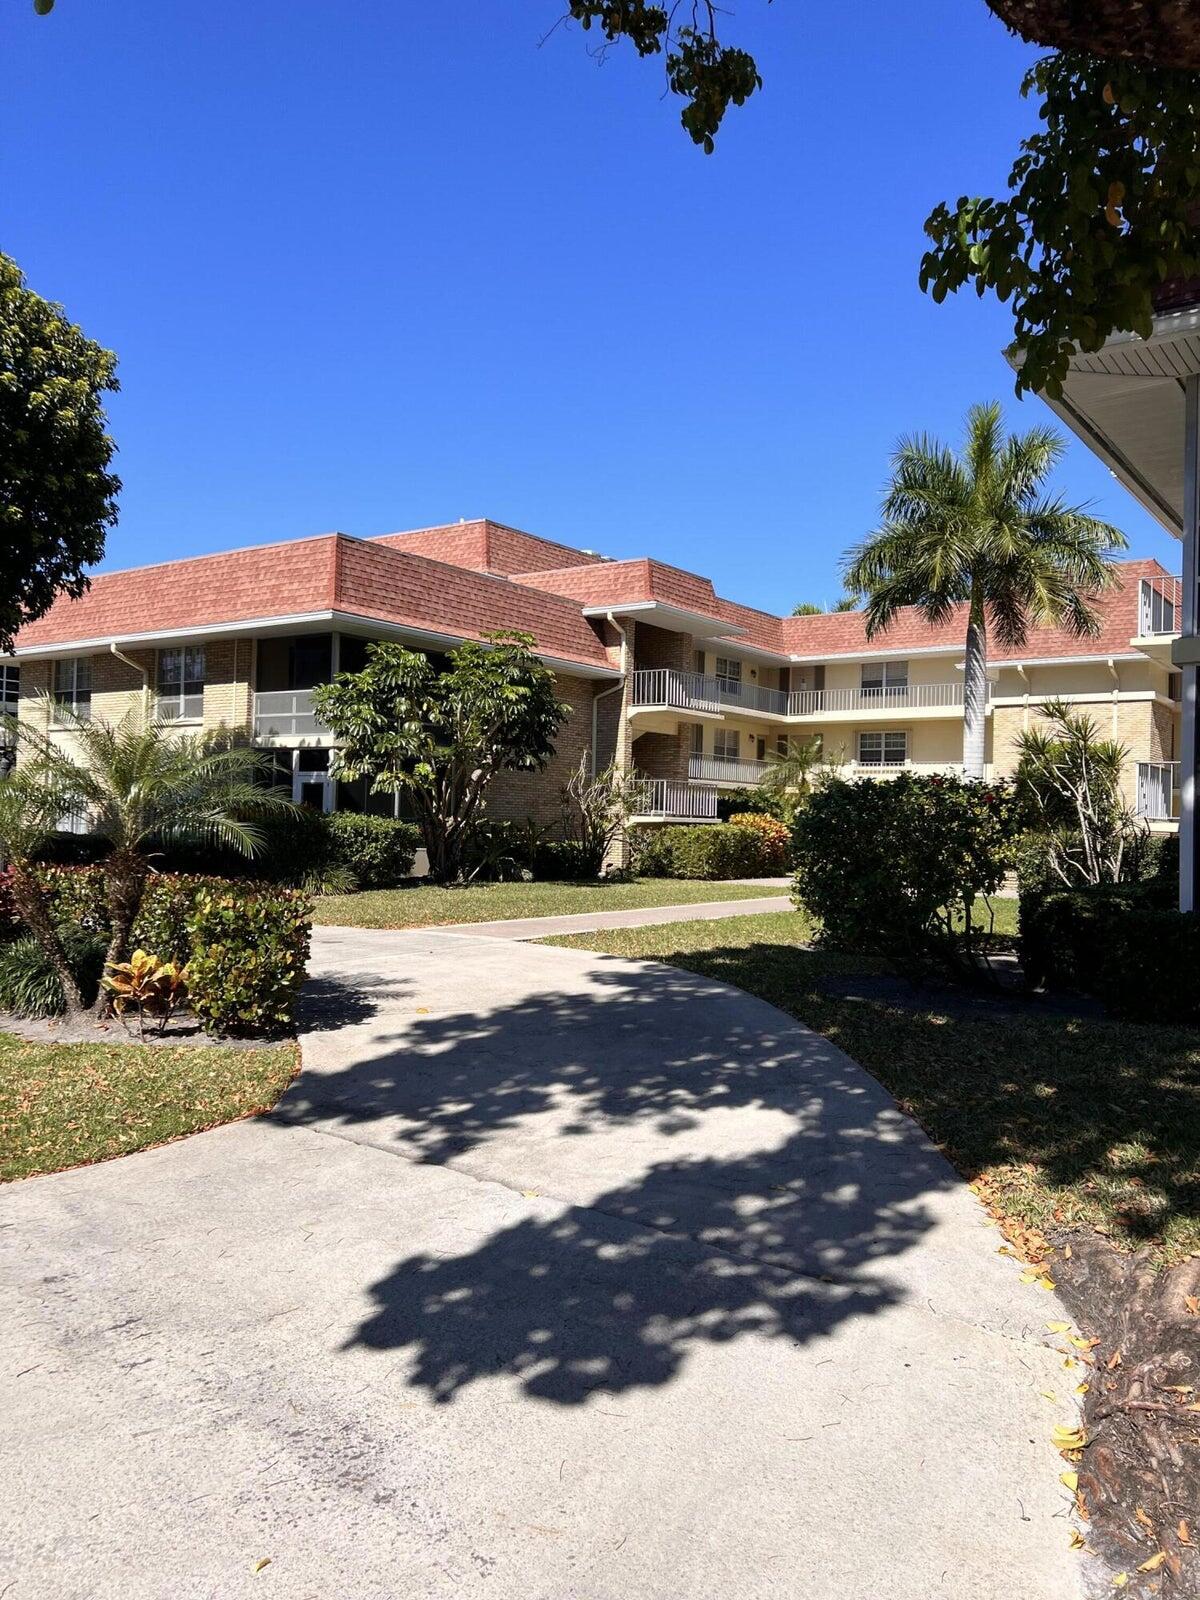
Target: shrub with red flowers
894 866
774 839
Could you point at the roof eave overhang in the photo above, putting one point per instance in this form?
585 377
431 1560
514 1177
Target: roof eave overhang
1126 402
677 619
299 622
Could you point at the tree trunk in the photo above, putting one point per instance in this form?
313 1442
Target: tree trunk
975 693
125 880
31 906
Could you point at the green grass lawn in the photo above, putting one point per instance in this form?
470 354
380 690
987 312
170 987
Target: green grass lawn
1058 1122
62 1105
422 906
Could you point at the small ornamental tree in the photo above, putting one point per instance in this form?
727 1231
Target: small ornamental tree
893 867
440 736
57 496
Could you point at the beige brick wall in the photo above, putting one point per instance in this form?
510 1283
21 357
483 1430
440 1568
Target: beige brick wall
228 680
513 796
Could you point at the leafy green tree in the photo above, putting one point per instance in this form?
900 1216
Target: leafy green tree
57 496
442 736
979 530
145 788
1103 207
808 608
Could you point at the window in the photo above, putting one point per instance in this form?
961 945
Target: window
884 677
73 686
181 683
697 738
1174 685
782 746
729 675
10 686
725 743
698 664
882 749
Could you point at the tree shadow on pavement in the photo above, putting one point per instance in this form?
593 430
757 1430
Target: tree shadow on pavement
758 1181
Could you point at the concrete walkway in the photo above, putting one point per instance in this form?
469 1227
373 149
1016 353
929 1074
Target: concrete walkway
555 1278
595 921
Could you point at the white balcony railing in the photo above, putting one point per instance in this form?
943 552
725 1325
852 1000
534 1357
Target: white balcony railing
727 769
701 691
894 697
1158 606
661 799
1157 783
286 714
697 691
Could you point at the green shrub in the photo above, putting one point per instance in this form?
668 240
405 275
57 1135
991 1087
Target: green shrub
892 866
377 850
704 850
774 841
1115 942
249 947
565 861
29 985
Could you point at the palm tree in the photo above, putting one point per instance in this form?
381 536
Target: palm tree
792 772
143 788
29 814
980 530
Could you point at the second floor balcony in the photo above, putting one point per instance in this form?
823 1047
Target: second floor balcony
286 716
665 688
1158 607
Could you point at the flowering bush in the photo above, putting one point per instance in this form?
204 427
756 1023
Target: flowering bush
774 838
893 866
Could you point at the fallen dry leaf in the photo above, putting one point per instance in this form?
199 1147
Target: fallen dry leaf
1084 1344
1059 1327
1192 1302
1048 1394
1114 1361
1082 1388
1153 1564
1046 1282
1121 1579
1067 1438
259 1565
1183 1533
1141 1516
1076 1539
1069 1480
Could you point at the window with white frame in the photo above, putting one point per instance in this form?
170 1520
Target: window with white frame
725 743
10 689
73 686
697 738
729 675
882 749
181 684
884 677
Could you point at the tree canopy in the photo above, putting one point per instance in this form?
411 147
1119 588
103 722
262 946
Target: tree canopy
441 735
57 496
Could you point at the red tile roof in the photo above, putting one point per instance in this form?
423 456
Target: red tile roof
395 578
487 546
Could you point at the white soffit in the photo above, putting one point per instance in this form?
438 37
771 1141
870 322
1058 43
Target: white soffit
1126 403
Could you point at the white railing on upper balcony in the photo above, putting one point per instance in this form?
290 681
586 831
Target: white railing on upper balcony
1157 783
702 691
286 714
660 798
727 769
893 697
1158 606
697 691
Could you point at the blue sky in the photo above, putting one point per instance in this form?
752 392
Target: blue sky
378 266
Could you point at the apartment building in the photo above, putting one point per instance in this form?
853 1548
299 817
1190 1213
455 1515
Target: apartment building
665 678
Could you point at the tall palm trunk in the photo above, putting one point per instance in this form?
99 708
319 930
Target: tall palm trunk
32 909
125 875
975 692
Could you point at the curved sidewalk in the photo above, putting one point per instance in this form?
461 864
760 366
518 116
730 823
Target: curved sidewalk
554 1277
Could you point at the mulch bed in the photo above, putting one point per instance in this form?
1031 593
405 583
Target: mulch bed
1139 1473
180 1030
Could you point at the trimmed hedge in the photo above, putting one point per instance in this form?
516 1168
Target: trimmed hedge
377 850
707 850
1116 943
248 957
774 838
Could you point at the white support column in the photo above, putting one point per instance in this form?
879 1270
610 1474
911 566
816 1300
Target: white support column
1189 861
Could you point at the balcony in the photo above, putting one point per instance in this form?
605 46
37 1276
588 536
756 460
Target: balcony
1157 790
1158 607
661 800
286 716
893 698
665 689
727 769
